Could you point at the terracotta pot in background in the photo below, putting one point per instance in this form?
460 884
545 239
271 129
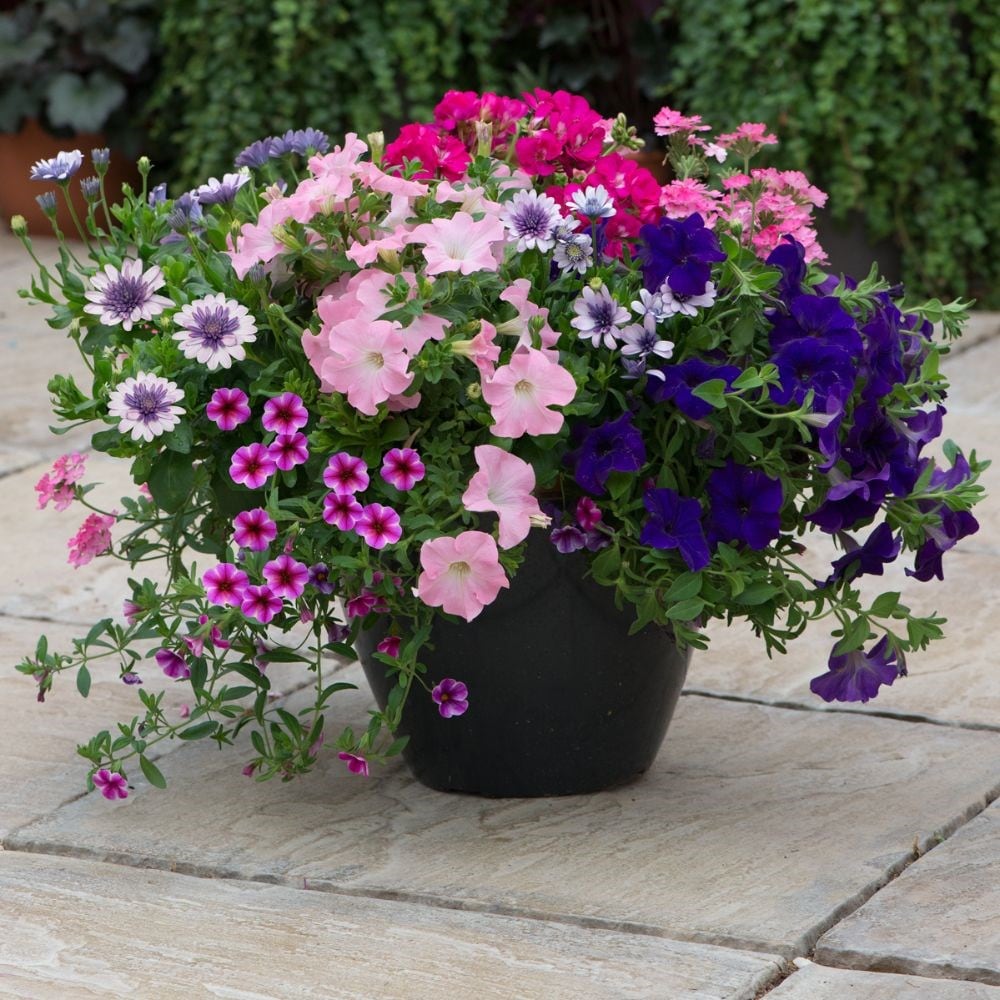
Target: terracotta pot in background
20 151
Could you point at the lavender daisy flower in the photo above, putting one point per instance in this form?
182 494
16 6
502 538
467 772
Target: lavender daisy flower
530 217
651 304
47 202
126 296
641 340
144 406
257 153
598 317
574 254
306 141
685 305
91 188
100 158
60 168
184 217
594 202
216 192
214 330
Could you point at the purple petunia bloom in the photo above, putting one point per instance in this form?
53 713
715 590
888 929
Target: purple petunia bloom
451 698
806 364
616 446
880 547
568 539
126 296
252 466
59 169
820 317
131 678
675 383
955 525
674 522
253 529
111 785
789 256
319 577
850 502
289 450
744 506
857 676
228 408
680 253
378 526
172 664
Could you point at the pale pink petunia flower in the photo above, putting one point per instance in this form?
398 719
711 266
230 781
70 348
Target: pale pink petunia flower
460 243
253 529
482 350
402 468
252 465
224 584
110 784
503 484
520 393
93 539
460 575
379 526
341 510
368 363
228 408
516 294
345 473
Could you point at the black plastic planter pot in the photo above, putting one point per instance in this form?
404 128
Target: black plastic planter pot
562 700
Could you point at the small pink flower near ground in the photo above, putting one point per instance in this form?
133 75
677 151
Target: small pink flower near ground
111 785
460 243
228 408
93 539
451 697
253 529
520 393
356 764
379 526
402 468
460 575
504 484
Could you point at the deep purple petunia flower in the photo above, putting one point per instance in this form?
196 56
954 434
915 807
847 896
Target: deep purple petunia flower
568 539
744 506
616 446
286 576
451 697
851 502
676 382
857 676
820 317
806 364
955 525
870 559
345 473
789 256
675 523
680 253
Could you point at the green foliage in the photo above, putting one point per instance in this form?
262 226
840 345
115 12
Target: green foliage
892 108
234 73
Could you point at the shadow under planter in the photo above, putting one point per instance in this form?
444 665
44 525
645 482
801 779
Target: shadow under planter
562 700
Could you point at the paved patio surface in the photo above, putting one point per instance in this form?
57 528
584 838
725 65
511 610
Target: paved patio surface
778 847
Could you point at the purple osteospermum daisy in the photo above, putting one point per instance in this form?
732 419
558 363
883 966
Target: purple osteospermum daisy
285 414
214 330
530 218
289 450
341 510
575 253
111 785
172 664
252 466
216 192
257 153
60 168
126 296
185 217
593 202
145 406
615 446
641 341
158 195
598 317
47 202
306 141
744 506
379 526
858 675
224 584
100 158
452 698
286 577
673 303
319 577
568 539
345 474
253 529
228 408
90 187
680 253
356 764
675 523
402 468
260 603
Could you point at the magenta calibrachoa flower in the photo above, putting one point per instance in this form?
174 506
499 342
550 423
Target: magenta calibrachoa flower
260 603
253 529
145 406
285 414
289 450
402 468
228 408
379 526
214 330
110 785
127 296
356 764
345 474
172 664
225 583
451 697
286 577
341 510
93 539
252 465
390 645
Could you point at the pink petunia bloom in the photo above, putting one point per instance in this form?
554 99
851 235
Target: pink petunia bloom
482 350
195 644
172 664
460 243
520 393
503 484
379 526
260 603
517 295
356 764
253 529
460 575
289 450
390 646
224 584
285 414
341 510
111 785
252 466
345 473
402 468
93 539
368 363
451 698
666 121
259 242
228 408
286 577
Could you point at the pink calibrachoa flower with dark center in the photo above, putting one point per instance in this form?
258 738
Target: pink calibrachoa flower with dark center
588 514
252 466
111 785
285 414
228 408
260 603
379 526
93 539
132 611
253 529
341 510
460 243
345 474
145 406
504 485
460 575
402 468
451 697
224 584
390 646
365 603
172 664
57 484
287 577
289 450
356 764
520 393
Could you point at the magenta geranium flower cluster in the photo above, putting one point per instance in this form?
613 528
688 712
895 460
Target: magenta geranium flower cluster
353 378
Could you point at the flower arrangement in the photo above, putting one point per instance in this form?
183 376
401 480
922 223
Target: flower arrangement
351 379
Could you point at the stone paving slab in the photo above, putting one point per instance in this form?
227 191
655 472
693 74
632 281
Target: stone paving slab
69 928
817 982
756 827
941 917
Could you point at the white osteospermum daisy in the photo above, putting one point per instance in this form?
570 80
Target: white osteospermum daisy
650 304
594 202
686 305
214 330
598 317
574 254
641 340
126 296
144 406
530 218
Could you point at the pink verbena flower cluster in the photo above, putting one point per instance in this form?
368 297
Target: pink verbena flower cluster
57 485
93 539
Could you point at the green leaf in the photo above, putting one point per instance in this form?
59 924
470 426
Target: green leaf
171 480
685 611
686 586
83 681
607 565
152 772
885 604
712 392
758 593
198 731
